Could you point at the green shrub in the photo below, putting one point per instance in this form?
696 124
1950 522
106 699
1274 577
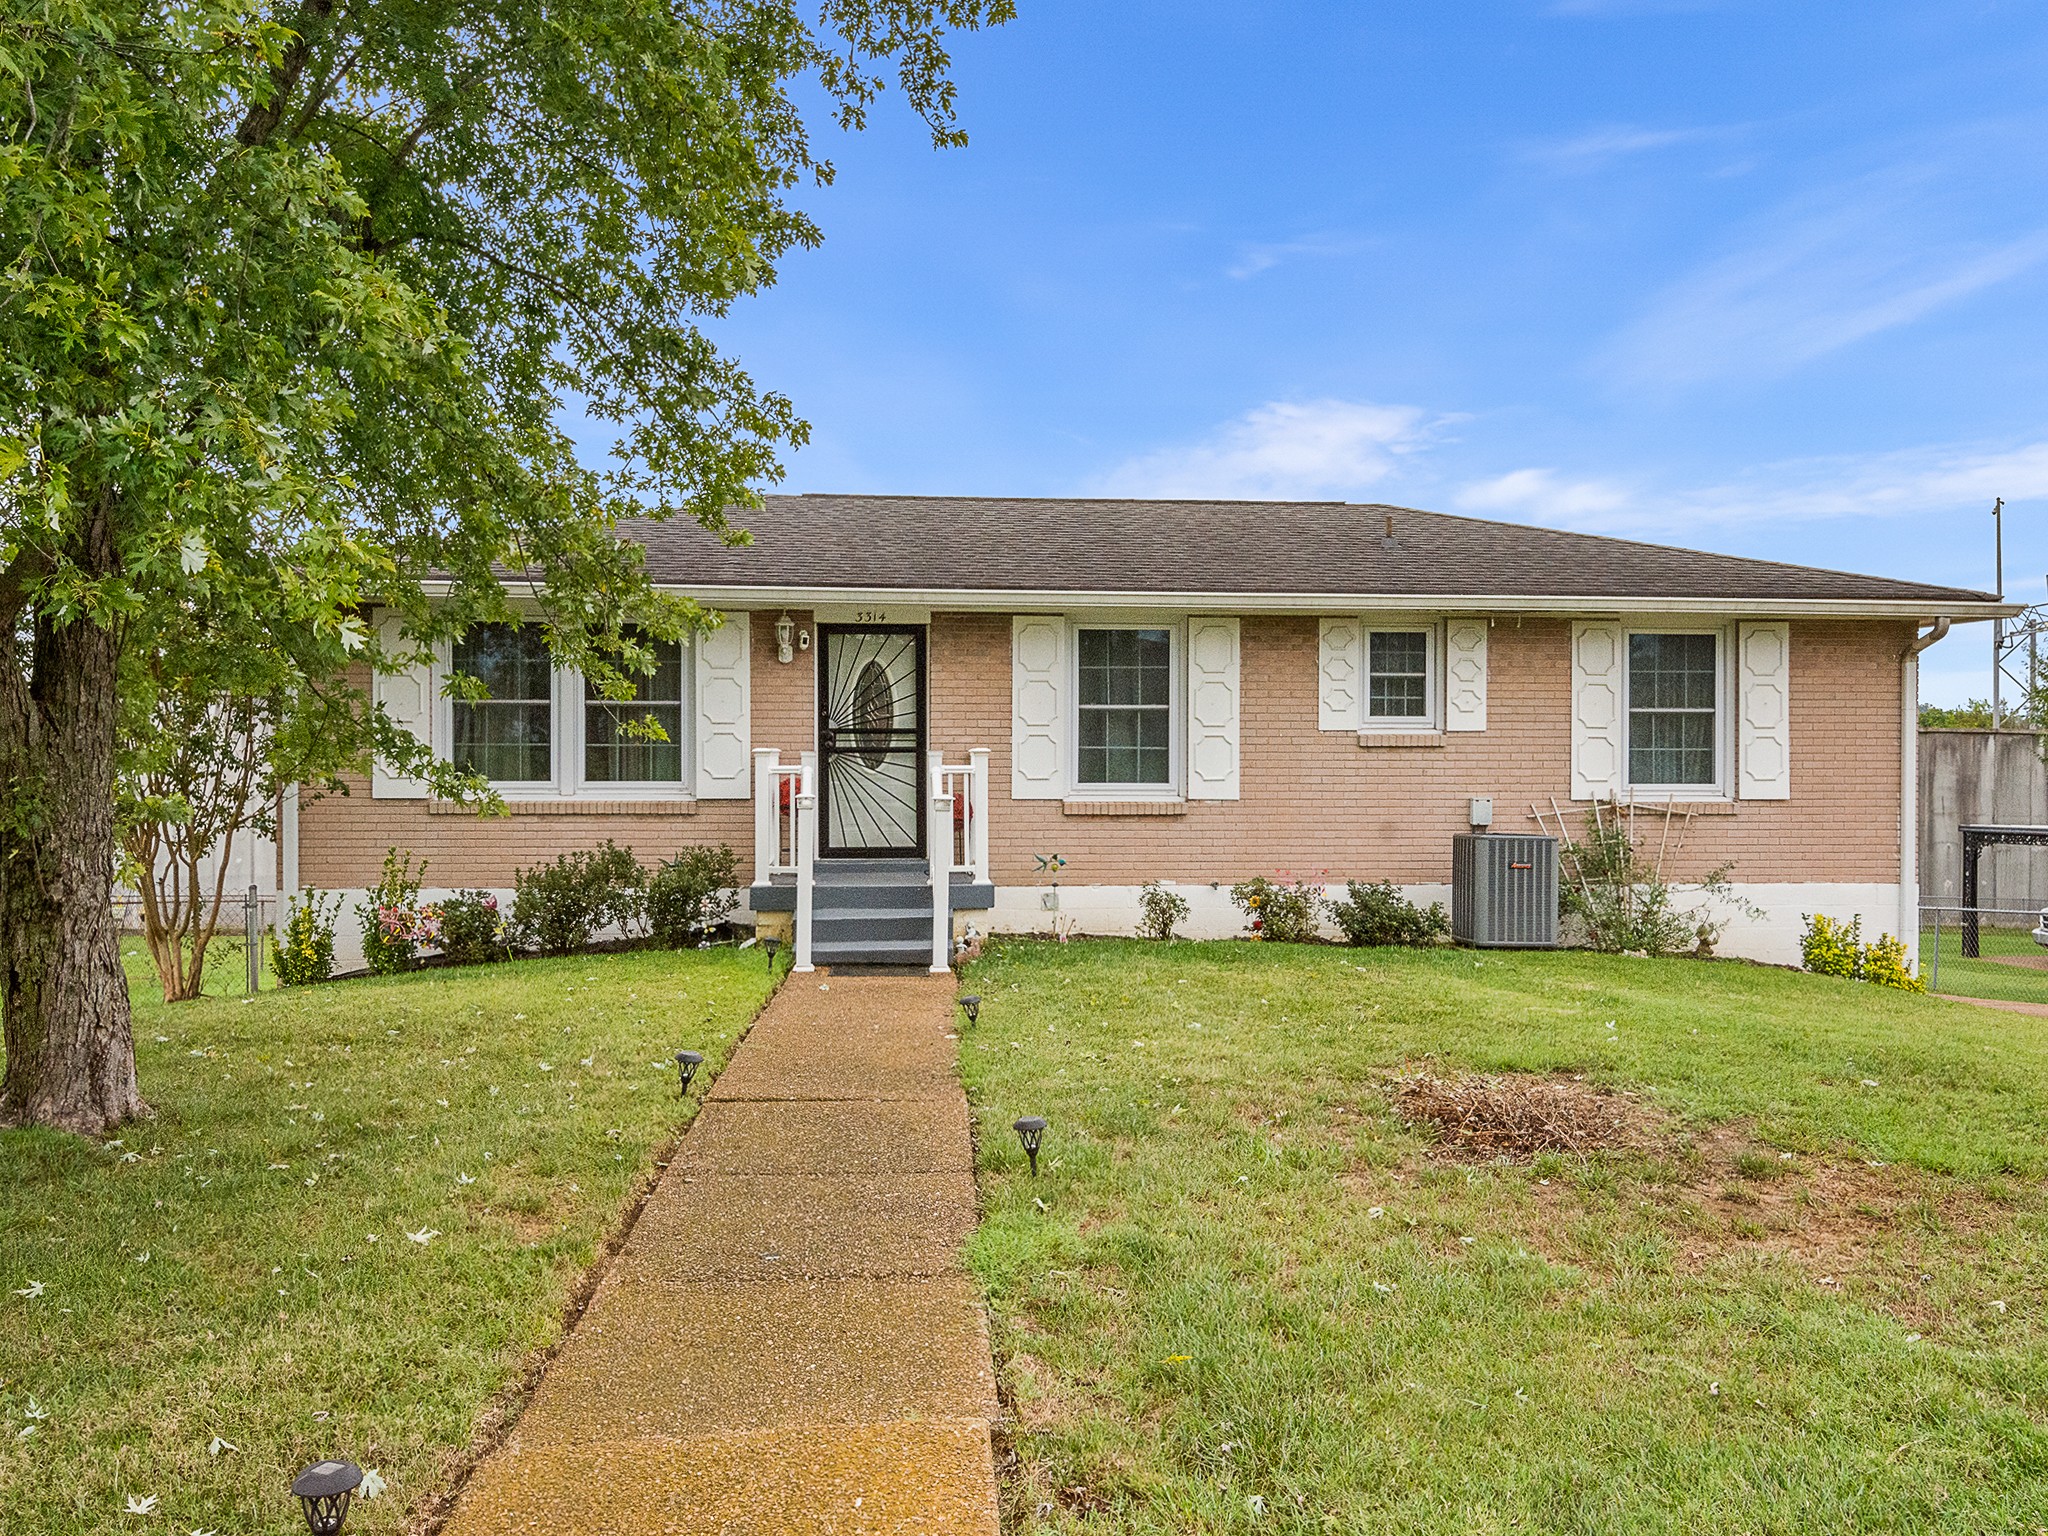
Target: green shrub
472 928
395 925
1831 948
1380 914
1884 965
1285 911
1160 911
691 894
304 952
556 908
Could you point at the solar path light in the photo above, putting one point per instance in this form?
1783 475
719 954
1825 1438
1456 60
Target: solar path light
1031 1131
971 1006
771 945
323 1491
687 1063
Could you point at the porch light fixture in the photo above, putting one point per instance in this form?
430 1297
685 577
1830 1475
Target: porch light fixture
687 1063
1031 1131
324 1491
971 1006
785 639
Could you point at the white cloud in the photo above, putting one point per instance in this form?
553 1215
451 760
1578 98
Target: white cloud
1282 450
1254 259
1949 478
1832 270
1597 147
1538 495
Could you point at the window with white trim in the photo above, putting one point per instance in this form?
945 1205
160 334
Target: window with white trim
1676 711
1400 678
507 735
538 729
1124 702
618 747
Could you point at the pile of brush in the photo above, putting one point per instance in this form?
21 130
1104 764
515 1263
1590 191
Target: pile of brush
1519 1116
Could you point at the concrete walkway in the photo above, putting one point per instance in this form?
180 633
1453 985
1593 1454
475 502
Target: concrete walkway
787 1342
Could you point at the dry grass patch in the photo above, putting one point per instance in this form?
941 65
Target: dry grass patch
1520 1115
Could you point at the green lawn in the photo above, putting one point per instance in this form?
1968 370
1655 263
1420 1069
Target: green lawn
240 1266
1244 1296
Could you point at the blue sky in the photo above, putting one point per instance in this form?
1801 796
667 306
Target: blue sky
1759 277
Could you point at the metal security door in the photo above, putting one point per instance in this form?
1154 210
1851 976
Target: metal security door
871 742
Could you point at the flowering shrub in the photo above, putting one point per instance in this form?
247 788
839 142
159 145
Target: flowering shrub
395 925
472 928
1286 910
304 952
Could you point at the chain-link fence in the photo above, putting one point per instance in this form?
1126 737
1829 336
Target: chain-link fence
1985 952
235 959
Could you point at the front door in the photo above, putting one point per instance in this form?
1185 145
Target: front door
870 741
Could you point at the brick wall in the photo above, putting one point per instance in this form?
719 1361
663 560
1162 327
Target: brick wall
1315 800
342 838
1312 801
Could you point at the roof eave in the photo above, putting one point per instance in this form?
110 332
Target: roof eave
956 599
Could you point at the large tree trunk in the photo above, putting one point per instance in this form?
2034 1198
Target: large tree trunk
70 1045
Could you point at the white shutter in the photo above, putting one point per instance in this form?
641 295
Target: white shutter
1038 707
725 710
1763 712
1465 675
1340 658
1598 719
408 699
1212 709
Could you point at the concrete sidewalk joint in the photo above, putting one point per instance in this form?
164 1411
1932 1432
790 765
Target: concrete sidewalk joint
787 1341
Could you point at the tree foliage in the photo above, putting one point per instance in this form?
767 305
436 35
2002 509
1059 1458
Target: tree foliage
291 297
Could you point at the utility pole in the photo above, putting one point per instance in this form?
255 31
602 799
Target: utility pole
1997 625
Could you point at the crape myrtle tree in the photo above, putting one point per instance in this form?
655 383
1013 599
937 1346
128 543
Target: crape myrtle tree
217 721
291 296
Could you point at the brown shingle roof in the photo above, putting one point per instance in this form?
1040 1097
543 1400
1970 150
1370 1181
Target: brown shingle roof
1305 548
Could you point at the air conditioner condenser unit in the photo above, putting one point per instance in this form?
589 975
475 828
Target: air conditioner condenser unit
1504 890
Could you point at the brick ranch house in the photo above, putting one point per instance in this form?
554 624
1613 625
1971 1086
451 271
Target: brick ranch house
1057 701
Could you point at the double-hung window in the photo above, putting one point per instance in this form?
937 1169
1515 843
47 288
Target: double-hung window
1125 703
1400 679
1674 711
618 746
507 734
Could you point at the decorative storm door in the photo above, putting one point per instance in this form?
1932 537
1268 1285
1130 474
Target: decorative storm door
871 741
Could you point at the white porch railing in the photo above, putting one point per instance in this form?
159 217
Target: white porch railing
776 790
956 839
786 836
961 845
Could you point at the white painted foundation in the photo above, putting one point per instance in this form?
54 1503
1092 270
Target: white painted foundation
1772 937
1106 910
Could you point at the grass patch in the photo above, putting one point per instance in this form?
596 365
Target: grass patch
1250 1293
240 1267
1992 971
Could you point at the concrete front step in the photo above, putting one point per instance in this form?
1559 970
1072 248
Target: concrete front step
879 952
872 924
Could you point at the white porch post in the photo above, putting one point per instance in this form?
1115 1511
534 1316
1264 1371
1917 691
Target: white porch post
767 834
806 853
939 848
977 809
